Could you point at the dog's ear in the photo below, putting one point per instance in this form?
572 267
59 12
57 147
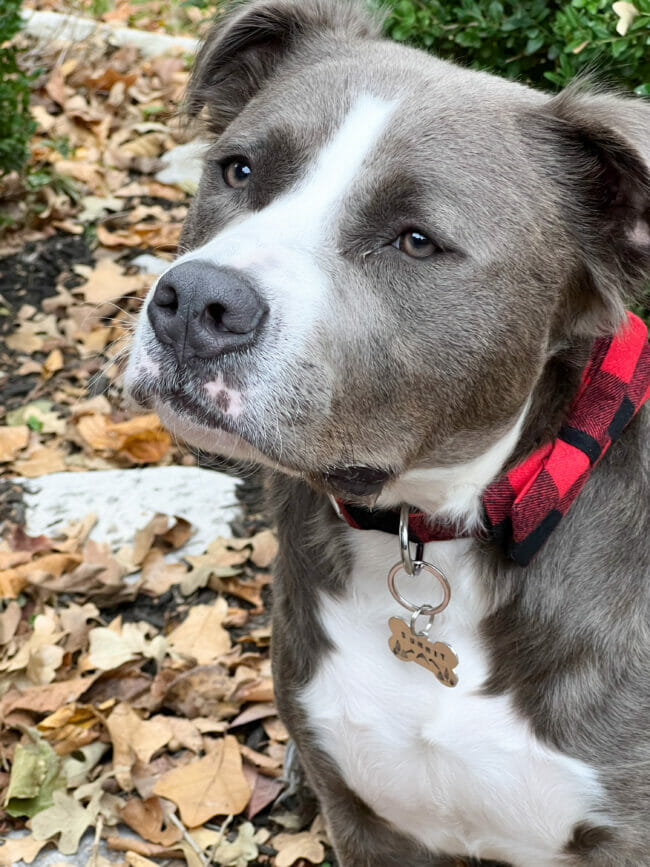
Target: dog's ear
599 149
244 47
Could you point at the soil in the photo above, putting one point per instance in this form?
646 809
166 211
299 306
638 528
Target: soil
29 276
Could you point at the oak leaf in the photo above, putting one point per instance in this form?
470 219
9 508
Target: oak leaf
202 636
293 847
24 849
66 817
212 786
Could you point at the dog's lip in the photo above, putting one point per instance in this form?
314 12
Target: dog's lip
199 412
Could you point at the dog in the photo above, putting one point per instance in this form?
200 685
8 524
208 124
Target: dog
402 293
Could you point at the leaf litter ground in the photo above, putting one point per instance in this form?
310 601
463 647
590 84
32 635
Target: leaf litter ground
135 692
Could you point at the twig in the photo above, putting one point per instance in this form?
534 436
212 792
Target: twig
219 840
181 827
99 827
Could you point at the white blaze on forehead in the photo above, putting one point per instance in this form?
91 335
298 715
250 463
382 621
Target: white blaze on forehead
280 246
340 162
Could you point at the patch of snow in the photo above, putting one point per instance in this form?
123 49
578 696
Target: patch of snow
125 500
183 165
55 26
148 264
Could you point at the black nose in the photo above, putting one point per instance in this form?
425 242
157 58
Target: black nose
204 311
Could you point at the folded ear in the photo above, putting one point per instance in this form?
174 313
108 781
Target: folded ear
244 47
599 150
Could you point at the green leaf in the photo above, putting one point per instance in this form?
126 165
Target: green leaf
31 410
35 776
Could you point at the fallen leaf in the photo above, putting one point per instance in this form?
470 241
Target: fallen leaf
265 548
626 12
293 847
240 851
264 790
107 282
66 817
12 440
35 777
52 363
146 818
110 649
201 636
214 785
20 849
9 620
201 692
42 462
158 576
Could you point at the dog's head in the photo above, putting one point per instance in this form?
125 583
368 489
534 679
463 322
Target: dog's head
384 250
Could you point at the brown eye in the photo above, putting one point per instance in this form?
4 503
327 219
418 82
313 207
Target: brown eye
415 244
237 173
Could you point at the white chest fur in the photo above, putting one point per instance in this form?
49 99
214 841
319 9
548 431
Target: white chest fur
457 770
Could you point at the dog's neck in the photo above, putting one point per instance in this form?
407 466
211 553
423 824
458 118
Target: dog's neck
453 493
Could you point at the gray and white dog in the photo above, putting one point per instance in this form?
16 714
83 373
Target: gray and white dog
394 272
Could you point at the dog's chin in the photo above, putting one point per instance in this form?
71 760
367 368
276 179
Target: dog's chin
211 437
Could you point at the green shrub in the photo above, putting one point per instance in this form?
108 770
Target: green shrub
540 42
16 125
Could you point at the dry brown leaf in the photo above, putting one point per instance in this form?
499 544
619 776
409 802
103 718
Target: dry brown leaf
9 620
147 447
41 462
265 764
52 363
70 728
141 438
55 86
107 282
158 576
46 699
135 860
264 790
265 548
202 636
22 849
146 818
108 77
11 583
292 847
12 440
201 692
110 649
212 786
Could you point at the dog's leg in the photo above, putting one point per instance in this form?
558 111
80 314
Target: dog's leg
362 839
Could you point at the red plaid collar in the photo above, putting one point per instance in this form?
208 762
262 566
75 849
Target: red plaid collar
522 507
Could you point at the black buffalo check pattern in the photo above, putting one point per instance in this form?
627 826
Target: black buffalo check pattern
523 507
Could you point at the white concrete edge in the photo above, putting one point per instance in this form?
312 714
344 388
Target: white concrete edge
57 26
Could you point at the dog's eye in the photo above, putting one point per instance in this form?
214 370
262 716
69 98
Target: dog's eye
415 244
237 173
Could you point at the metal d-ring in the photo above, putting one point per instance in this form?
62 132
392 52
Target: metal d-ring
422 611
411 567
430 610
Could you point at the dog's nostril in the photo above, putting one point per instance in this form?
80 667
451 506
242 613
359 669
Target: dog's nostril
213 316
166 296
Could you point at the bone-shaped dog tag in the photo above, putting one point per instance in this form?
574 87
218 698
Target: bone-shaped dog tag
436 656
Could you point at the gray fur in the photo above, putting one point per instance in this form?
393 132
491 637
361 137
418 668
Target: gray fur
540 206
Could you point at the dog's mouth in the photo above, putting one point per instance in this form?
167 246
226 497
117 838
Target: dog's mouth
190 412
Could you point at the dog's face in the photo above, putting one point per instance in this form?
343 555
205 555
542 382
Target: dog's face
382 253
